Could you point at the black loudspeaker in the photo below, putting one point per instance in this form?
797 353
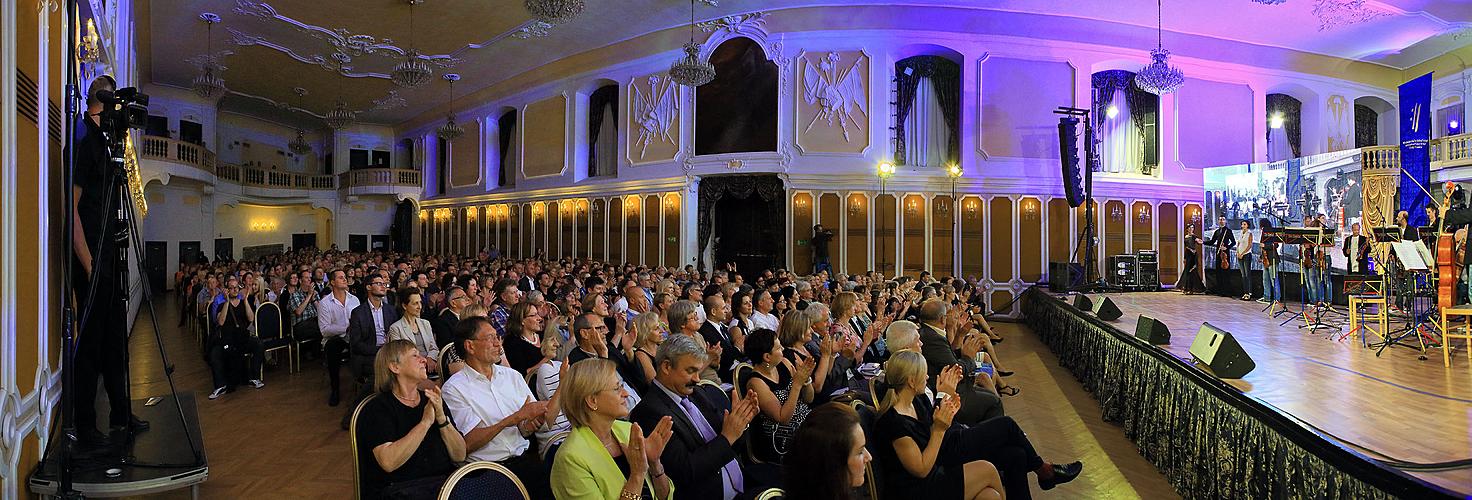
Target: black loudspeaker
1106 310
1073 177
1152 330
1063 276
1216 348
1082 303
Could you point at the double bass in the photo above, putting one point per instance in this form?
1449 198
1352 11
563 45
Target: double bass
1447 256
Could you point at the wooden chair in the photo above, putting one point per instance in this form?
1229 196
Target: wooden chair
353 441
548 450
1448 334
269 331
483 480
771 494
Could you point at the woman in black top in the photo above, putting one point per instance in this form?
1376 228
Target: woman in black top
407 445
523 341
1191 281
233 340
780 392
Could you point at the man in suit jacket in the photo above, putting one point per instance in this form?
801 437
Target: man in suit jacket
367 331
700 458
1222 238
714 331
978 402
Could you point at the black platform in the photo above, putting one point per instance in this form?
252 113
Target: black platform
161 458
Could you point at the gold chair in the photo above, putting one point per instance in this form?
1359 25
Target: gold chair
270 332
494 481
736 377
771 494
353 440
1448 334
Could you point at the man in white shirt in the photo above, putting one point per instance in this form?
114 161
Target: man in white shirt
333 312
492 405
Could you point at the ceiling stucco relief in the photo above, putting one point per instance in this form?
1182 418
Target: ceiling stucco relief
1339 13
833 110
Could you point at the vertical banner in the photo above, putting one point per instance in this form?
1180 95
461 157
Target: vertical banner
1415 136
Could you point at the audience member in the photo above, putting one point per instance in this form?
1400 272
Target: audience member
783 393
606 457
413 328
828 456
407 444
333 311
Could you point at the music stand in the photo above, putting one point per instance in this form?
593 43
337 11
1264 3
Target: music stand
1272 235
1311 236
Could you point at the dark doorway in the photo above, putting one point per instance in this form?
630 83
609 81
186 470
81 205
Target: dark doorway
189 252
378 242
155 259
224 249
191 132
741 218
158 126
357 243
304 240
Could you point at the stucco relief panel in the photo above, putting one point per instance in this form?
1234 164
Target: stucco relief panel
832 104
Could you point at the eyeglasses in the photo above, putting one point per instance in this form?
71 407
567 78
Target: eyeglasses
377 283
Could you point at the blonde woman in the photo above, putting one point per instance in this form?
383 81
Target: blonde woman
649 332
606 458
408 443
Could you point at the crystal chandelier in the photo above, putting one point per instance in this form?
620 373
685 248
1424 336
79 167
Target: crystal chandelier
299 146
208 84
554 11
451 130
1159 77
412 71
691 71
340 117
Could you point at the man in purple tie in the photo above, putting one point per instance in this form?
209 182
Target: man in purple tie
699 458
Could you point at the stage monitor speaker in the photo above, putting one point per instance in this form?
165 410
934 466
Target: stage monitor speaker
1217 349
1152 330
1083 303
1073 175
1106 310
1063 276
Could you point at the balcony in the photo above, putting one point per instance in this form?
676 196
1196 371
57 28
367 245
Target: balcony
173 158
1451 152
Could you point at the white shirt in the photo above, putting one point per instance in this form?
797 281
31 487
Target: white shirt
332 315
379 329
548 379
475 401
763 320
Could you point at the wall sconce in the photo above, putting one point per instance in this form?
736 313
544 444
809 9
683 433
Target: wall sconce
671 202
800 204
631 205
597 209
263 225
538 210
1029 210
855 206
1116 214
472 213
912 206
423 215
1144 215
442 215
943 208
972 207
582 207
89 47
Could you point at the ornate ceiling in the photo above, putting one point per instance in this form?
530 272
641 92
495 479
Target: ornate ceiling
345 50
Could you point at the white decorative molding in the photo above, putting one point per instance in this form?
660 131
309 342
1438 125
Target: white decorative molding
1334 14
751 24
837 92
535 29
655 114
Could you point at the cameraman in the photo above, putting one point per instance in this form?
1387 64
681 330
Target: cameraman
102 342
820 240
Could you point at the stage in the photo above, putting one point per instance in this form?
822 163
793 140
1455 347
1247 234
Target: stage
162 459
1395 404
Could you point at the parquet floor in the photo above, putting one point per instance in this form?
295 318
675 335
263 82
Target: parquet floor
1394 404
283 441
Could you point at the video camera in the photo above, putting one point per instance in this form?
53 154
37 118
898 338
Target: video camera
123 109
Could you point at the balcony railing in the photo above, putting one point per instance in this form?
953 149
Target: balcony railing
1445 152
386 177
1452 149
1374 157
170 150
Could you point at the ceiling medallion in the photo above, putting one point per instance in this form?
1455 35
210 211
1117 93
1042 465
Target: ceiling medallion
554 12
691 71
451 130
412 71
1159 77
208 84
340 117
1339 13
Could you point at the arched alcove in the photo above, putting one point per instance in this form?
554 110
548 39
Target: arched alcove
927 93
508 147
737 112
1128 123
1312 131
1285 127
601 112
1374 122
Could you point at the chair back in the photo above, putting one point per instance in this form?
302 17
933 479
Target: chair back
549 449
445 353
268 322
353 440
867 419
483 480
736 373
771 494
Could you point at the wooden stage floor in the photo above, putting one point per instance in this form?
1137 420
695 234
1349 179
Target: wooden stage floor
1395 404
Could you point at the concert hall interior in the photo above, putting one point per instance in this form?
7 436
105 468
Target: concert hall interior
717 249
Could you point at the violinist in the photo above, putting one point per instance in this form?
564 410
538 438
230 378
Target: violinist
1313 256
1357 250
1223 241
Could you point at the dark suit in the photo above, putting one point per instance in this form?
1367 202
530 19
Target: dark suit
444 327
1222 238
527 284
363 337
977 404
1360 259
728 349
693 463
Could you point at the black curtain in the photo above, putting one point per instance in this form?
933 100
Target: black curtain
1144 108
1366 126
401 232
604 96
1292 124
714 189
507 127
945 74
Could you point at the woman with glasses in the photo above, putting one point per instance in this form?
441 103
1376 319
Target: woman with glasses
233 340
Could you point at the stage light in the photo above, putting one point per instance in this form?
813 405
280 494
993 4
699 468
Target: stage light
886 169
954 171
1275 121
1454 125
1111 111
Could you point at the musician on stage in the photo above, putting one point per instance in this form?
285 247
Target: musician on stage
1312 263
1270 291
1403 221
1357 249
1190 281
1244 258
1224 242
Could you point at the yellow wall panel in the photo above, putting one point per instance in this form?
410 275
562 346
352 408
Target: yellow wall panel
1030 245
545 138
802 233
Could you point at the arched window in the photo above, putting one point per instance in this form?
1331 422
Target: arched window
737 112
1285 130
442 165
927 111
603 132
1375 122
510 157
1366 132
1126 120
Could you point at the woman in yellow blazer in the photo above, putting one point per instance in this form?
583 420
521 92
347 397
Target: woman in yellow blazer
606 458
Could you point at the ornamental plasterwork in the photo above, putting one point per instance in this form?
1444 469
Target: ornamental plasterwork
1339 13
656 108
751 24
536 29
835 93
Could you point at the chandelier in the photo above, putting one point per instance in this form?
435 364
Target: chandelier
300 146
691 71
208 84
340 117
412 71
554 11
451 130
1159 77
